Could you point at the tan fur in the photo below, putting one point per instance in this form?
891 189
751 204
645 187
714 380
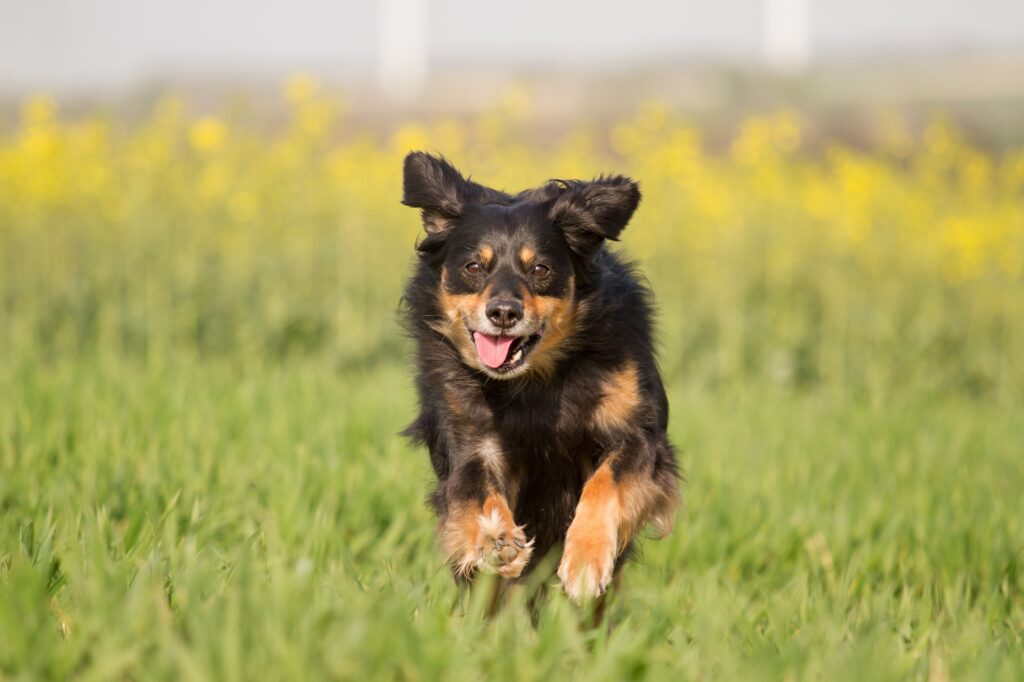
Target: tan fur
620 398
560 315
642 501
485 538
457 309
526 255
591 544
495 507
486 254
607 517
458 536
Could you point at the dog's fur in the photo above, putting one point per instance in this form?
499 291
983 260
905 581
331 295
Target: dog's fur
567 445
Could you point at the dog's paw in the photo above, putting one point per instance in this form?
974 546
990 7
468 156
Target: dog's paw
588 561
504 548
488 542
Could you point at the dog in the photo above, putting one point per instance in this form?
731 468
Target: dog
540 399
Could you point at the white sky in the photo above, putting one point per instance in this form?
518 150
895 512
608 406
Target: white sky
82 44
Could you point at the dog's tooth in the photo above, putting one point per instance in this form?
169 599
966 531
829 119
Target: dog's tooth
518 356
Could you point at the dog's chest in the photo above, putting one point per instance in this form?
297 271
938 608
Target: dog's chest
545 428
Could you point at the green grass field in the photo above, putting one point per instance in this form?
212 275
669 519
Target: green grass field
202 379
217 520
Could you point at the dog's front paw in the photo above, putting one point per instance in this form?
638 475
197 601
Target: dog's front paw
486 541
504 547
588 561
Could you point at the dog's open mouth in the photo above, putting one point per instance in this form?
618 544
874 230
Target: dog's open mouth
504 353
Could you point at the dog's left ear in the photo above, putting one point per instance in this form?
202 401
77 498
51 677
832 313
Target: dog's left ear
590 212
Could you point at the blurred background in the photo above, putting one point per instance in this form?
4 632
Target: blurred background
833 192
714 60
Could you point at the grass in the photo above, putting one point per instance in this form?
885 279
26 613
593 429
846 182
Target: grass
219 520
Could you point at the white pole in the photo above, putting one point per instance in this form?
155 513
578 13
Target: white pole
402 48
787 34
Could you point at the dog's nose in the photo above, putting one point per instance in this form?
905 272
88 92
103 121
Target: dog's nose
504 312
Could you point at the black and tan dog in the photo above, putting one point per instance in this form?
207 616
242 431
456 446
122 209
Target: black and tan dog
540 399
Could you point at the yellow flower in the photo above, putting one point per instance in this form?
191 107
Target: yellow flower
207 134
410 137
786 131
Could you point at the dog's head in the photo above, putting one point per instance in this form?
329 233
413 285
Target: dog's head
510 266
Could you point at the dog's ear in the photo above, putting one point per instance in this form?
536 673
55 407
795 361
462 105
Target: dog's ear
433 185
590 212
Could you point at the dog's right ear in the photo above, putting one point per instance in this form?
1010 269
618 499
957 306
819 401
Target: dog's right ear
433 185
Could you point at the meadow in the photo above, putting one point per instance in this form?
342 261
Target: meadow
202 379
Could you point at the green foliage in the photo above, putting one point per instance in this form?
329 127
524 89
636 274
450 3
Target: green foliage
229 519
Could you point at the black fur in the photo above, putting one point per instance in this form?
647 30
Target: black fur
543 422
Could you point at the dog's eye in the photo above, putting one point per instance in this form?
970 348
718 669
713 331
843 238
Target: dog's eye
540 270
474 268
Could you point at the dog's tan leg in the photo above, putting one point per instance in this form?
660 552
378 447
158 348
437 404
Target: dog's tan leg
610 511
592 541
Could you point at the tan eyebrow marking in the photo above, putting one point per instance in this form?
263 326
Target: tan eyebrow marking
486 254
527 255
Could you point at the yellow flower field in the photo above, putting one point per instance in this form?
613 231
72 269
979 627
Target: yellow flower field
828 265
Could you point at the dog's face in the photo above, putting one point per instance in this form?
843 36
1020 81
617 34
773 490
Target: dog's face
507 288
509 266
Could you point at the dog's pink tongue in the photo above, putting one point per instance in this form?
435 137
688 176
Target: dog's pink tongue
492 349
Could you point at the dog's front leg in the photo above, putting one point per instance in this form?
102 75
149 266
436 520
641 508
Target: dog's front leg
477 531
617 500
592 542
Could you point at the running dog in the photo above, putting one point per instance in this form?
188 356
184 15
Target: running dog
540 398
